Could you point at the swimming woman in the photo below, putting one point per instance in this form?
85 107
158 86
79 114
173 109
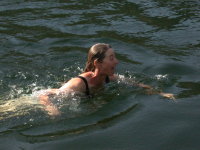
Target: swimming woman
99 70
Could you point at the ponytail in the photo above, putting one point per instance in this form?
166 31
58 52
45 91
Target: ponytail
89 67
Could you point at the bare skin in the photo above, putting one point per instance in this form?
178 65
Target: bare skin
150 90
95 80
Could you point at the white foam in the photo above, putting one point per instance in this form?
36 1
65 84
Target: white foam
161 77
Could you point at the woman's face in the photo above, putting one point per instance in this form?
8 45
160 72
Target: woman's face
109 63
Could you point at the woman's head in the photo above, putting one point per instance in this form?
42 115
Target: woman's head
101 55
96 52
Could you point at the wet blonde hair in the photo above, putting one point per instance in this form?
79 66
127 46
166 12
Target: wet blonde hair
96 52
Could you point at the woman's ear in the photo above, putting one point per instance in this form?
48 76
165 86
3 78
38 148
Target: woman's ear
96 63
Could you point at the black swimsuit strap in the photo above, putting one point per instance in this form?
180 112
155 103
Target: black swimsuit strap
87 91
86 85
107 80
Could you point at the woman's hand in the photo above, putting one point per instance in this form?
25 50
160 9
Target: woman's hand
52 110
49 106
168 95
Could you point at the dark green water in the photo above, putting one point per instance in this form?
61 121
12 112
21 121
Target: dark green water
45 43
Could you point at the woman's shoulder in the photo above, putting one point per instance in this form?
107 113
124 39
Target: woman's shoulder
74 84
87 74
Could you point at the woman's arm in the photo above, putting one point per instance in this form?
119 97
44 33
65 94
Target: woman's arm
149 89
49 106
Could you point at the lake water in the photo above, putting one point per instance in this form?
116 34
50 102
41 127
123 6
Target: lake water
45 43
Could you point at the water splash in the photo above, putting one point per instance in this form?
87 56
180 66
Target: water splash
161 77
